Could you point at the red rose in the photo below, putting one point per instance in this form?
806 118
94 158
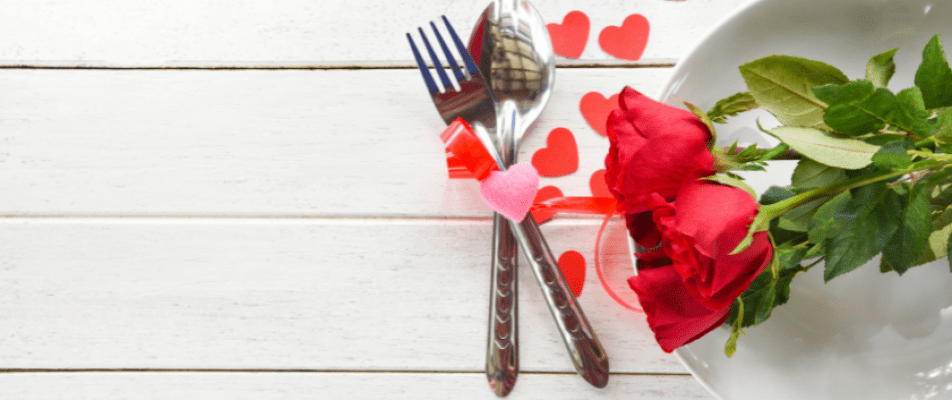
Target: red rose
674 316
698 232
654 149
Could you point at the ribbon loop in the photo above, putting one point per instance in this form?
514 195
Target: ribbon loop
466 157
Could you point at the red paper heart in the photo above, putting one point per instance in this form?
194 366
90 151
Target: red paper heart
572 264
595 109
627 41
597 184
569 38
544 194
559 157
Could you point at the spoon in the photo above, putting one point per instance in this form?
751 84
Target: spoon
516 56
502 356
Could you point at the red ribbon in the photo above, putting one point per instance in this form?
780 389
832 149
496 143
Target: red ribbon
467 158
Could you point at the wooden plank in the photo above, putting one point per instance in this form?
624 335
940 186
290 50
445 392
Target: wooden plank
226 33
265 386
239 143
325 294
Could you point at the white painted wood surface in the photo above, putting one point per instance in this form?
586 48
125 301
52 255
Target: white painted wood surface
286 232
295 32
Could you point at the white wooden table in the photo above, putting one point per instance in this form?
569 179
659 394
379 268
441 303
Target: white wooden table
248 199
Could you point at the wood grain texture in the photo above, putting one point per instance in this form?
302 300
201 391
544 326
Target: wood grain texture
357 386
250 32
324 294
239 143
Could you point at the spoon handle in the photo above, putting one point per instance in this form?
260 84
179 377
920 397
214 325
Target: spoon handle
502 358
584 348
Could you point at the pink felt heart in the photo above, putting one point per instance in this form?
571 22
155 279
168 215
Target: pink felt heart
597 184
510 193
569 38
595 109
627 41
572 264
544 194
559 157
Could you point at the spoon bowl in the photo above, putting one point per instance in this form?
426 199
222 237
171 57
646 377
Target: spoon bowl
515 54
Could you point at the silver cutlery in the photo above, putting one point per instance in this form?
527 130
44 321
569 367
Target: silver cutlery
518 59
517 56
474 103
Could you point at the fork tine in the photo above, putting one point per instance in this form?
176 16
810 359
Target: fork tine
447 84
430 84
467 58
449 56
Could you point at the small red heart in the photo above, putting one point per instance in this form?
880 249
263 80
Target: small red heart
598 186
569 38
628 41
595 109
572 264
559 157
544 194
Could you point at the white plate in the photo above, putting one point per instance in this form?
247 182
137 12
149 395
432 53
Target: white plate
865 335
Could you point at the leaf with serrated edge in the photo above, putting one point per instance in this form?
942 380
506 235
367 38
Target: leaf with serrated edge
858 108
782 85
939 238
892 155
868 223
908 243
731 106
881 68
798 219
823 224
810 174
764 294
823 147
934 76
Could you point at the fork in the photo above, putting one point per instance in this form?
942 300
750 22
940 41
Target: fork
474 103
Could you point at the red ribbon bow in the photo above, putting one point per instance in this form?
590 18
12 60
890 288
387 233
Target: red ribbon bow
467 158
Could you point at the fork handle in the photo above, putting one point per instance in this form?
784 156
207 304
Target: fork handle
586 351
502 358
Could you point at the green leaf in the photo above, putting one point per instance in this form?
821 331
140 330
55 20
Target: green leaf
810 174
768 291
934 76
892 155
912 107
823 147
782 85
939 238
943 124
882 139
775 194
769 154
731 181
881 68
731 106
868 223
824 222
858 107
798 219
704 118
948 248
912 237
